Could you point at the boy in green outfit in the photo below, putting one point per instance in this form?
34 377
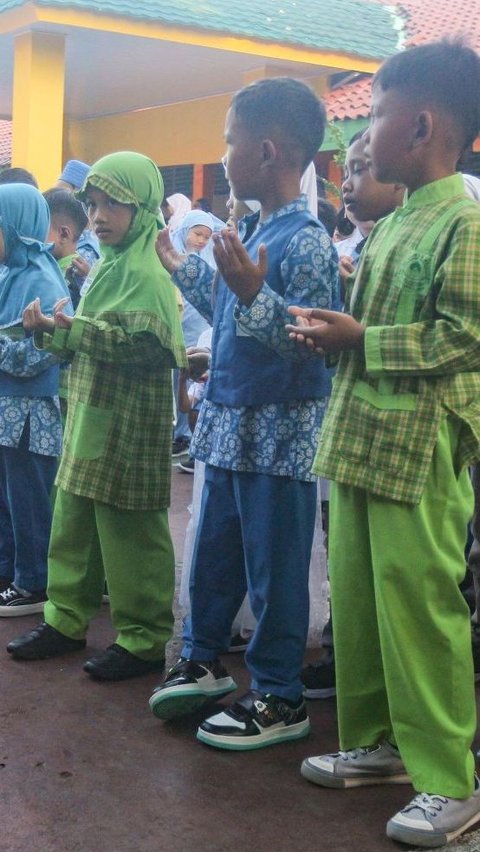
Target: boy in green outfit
402 426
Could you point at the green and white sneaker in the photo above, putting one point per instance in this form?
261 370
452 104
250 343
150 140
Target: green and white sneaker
359 767
188 686
430 820
255 721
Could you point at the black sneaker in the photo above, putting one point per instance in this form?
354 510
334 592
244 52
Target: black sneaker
180 447
237 644
254 721
116 663
188 686
187 466
43 642
14 602
319 679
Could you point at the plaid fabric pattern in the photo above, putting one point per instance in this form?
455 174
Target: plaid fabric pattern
120 398
418 294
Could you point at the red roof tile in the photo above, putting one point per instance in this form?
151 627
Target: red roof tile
424 20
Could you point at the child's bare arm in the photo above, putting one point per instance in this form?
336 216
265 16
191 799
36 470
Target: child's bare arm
184 404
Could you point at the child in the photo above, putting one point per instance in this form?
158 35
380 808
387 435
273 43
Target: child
179 205
193 235
87 250
256 427
402 425
30 433
367 200
67 223
110 519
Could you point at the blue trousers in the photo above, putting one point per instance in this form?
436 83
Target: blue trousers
26 480
255 533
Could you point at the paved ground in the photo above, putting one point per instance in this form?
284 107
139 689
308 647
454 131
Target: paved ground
85 767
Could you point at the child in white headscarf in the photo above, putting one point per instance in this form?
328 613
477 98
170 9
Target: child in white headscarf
181 205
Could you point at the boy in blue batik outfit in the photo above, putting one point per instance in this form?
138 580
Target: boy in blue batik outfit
257 428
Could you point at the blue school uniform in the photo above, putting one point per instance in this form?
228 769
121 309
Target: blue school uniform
30 424
257 433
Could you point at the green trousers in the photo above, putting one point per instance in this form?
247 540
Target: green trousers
401 626
91 542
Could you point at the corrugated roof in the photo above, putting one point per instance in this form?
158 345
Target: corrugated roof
423 20
319 24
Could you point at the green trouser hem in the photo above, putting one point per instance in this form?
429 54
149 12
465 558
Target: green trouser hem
132 550
402 632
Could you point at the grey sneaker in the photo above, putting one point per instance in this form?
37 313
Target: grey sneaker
380 764
430 820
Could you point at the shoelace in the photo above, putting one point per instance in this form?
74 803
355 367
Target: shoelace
8 594
354 753
430 804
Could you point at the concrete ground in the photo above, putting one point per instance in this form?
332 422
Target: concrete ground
85 766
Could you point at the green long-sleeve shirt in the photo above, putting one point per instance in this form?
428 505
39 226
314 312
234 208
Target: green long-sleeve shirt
417 291
117 443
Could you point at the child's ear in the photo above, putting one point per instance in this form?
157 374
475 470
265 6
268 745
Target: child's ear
423 128
65 233
269 152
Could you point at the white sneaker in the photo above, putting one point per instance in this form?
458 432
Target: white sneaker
430 820
380 764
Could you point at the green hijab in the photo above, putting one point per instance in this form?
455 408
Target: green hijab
130 280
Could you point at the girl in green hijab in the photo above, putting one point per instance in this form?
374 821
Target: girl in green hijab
110 519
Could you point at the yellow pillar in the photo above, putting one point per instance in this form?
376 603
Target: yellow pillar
38 94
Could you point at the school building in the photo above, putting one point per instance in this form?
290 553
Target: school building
81 78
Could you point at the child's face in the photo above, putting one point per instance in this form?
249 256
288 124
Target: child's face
197 238
243 158
109 219
364 197
2 248
390 137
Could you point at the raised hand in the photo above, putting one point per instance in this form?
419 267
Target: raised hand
241 274
34 320
169 257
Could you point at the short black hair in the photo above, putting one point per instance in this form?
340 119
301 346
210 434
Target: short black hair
287 106
445 73
63 203
327 215
356 137
17 175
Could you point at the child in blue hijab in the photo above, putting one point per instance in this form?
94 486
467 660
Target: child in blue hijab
30 426
192 236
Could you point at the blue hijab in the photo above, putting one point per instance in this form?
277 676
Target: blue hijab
31 270
197 217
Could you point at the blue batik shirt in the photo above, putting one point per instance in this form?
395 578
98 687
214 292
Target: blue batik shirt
275 438
20 359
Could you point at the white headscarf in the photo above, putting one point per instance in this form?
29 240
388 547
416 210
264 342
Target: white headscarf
181 205
197 217
308 187
472 186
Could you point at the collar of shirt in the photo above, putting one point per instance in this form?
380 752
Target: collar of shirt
249 224
431 193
